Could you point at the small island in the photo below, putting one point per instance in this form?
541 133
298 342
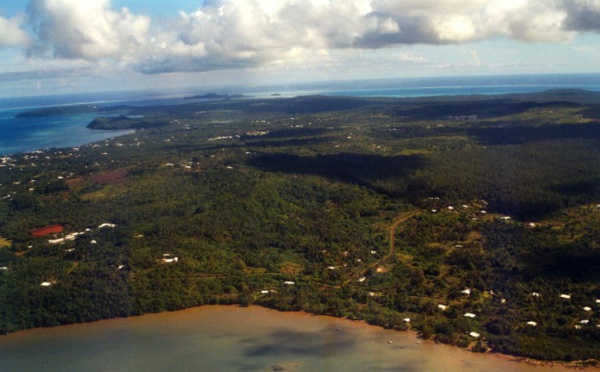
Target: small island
215 96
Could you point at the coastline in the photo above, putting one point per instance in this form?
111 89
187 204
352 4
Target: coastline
516 358
271 334
415 335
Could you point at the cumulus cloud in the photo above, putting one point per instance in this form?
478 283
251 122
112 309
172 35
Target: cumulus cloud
11 33
88 30
224 34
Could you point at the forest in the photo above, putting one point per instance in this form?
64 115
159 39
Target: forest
473 220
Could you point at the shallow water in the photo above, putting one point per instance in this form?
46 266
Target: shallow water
229 338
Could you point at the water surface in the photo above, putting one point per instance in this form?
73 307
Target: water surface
230 338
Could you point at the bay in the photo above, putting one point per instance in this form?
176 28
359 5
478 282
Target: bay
33 133
230 338
28 134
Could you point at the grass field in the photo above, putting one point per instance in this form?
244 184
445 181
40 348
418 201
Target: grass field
4 243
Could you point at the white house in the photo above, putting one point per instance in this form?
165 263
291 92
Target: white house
532 323
289 283
470 315
46 284
474 334
565 296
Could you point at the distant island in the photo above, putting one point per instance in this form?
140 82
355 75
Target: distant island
218 96
71 109
471 220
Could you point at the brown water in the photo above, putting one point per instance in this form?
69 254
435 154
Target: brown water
229 338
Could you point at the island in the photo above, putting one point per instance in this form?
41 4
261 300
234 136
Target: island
473 220
215 96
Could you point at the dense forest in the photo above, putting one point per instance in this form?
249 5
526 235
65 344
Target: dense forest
472 220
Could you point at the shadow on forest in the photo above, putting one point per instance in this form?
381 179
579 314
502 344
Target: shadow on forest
385 174
482 108
492 136
576 262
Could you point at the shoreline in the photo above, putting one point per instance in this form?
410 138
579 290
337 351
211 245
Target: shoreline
409 332
410 337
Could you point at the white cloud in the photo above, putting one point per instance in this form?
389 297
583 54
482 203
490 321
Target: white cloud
11 33
225 34
475 57
87 29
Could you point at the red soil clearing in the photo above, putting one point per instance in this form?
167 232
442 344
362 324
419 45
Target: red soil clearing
47 230
109 177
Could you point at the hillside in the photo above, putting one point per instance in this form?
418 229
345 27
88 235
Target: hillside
470 216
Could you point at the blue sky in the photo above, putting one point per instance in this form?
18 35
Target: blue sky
70 46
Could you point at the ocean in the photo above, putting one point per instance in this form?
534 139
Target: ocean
28 134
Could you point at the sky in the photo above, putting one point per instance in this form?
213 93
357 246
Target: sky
73 46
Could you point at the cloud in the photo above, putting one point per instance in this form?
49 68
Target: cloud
87 30
229 34
11 33
234 33
475 57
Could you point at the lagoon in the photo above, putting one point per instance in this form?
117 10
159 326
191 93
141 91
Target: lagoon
231 338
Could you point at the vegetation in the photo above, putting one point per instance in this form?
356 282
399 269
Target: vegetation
374 209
